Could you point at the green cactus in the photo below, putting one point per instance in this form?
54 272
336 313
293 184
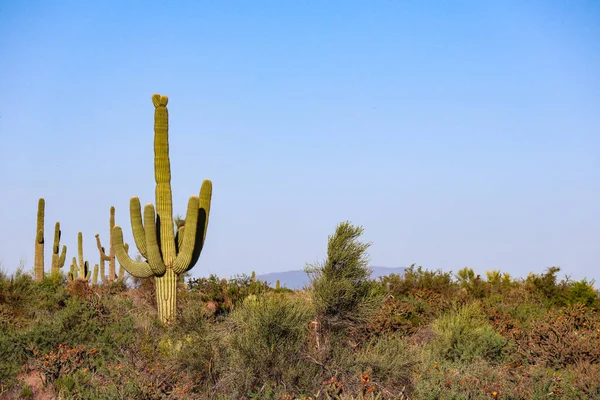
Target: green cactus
72 275
82 269
39 242
110 257
277 285
167 254
58 260
253 277
95 275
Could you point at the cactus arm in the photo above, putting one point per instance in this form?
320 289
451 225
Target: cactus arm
95 275
121 269
203 214
186 251
63 257
179 238
155 259
86 272
135 268
136 225
103 255
205 199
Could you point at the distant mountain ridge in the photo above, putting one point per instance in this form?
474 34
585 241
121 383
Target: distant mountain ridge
297 279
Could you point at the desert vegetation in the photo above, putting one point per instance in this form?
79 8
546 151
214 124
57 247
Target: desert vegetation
423 335
151 334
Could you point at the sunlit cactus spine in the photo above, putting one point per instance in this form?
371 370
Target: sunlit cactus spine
167 255
39 242
58 259
80 269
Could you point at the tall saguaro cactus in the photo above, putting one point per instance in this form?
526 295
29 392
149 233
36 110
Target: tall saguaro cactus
39 242
167 254
58 259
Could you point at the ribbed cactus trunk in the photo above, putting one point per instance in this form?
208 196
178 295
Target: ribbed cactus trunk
39 242
166 295
166 285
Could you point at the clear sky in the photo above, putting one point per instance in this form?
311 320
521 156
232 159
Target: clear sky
457 133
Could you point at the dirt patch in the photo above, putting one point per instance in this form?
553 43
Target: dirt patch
33 379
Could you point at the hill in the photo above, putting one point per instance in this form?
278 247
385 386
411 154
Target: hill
297 279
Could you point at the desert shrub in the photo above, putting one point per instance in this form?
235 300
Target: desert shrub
407 314
226 294
12 357
268 343
471 283
566 336
464 334
483 380
382 366
418 279
582 292
343 295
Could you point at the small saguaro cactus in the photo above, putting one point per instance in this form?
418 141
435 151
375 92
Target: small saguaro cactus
39 242
82 269
277 285
58 259
167 255
110 257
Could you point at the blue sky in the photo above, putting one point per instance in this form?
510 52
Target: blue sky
457 133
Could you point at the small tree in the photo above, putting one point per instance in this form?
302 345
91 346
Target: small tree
343 295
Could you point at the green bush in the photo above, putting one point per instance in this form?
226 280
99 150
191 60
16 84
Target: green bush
464 334
268 344
343 295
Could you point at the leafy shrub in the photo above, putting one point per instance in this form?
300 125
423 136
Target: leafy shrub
582 292
464 334
269 343
418 279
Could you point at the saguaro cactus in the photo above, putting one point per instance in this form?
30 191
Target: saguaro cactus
167 254
58 259
39 242
110 257
82 269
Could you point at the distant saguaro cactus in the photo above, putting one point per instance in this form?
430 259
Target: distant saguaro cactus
110 257
58 259
167 254
82 269
39 242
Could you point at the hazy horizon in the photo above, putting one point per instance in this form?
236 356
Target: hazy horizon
456 133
